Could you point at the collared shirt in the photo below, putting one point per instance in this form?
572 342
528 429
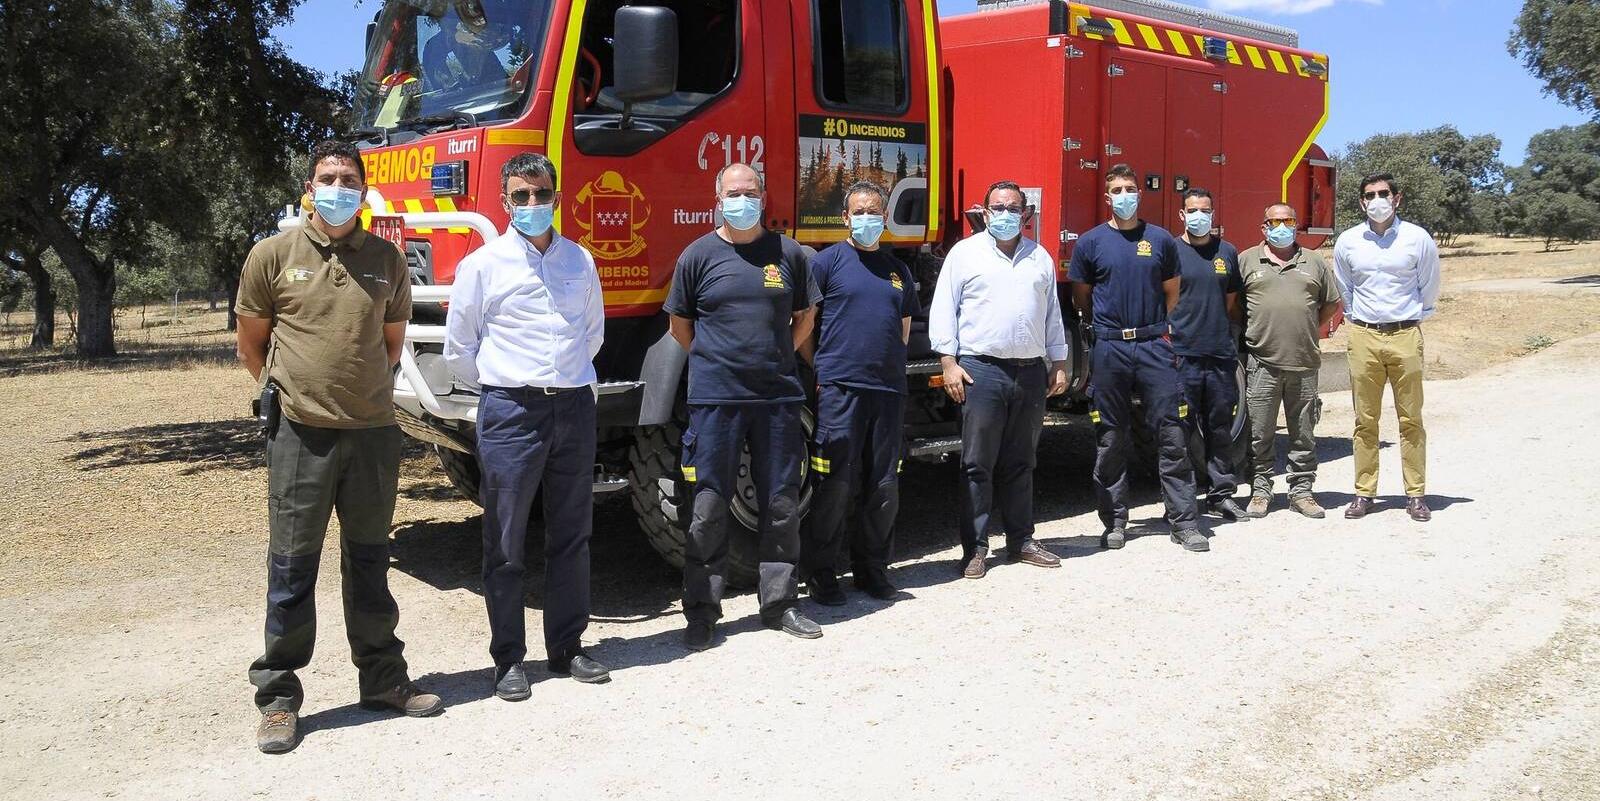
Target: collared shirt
989 304
1127 270
521 318
328 303
1283 303
1387 278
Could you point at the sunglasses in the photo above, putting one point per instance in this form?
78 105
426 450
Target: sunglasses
543 197
997 209
1289 221
1383 193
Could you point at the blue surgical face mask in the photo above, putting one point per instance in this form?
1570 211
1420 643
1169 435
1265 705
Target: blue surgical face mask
743 213
336 204
1125 205
1004 226
1280 236
1198 223
866 228
532 220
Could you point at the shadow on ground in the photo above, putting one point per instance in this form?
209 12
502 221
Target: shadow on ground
204 445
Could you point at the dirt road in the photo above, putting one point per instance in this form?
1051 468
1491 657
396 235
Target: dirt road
1298 660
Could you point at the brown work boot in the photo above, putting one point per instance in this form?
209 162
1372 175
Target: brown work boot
1259 504
408 698
1417 507
974 567
1358 508
1032 553
278 732
1308 506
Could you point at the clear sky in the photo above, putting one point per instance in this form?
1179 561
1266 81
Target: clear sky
1397 65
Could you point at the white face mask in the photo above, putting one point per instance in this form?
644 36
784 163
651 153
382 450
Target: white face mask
1380 209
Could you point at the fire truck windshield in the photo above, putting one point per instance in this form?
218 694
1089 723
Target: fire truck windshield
432 62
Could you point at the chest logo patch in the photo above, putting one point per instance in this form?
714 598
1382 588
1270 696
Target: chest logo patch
894 281
1220 266
774 278
297 274
1144 248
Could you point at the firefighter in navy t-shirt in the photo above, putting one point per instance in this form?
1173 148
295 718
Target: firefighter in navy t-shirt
864 322
1124 281
1208 359
741 302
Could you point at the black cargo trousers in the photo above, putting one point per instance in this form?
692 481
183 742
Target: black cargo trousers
312 473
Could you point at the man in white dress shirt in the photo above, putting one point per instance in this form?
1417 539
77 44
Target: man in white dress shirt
526 318
996 320
1388 272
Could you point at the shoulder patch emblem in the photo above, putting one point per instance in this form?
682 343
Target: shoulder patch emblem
1144 248
774 277
894 280
1220 266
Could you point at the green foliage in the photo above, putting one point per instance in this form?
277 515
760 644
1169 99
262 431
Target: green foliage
1440 172
1559 217
1556 193
1537 342
1556 40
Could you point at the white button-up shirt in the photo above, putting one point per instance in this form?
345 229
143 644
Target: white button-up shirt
519 318
1390 278
990 304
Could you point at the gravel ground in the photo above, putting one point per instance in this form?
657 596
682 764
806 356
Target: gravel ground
1298 660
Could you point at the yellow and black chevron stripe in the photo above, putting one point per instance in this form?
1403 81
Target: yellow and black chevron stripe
1160 39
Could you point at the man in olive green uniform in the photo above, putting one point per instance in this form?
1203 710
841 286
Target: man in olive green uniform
1290 294
322 315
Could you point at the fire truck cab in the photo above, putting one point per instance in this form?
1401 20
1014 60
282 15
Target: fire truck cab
639 106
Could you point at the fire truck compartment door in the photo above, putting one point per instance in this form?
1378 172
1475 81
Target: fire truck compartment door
1136 125
1194 140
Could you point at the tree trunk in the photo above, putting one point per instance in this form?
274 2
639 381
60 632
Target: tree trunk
232 282
96 280
44 302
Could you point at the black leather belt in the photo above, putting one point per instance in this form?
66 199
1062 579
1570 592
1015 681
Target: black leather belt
1007 362
1133 334
1388 328
537 390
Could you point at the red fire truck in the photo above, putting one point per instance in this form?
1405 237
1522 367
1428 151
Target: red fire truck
638 106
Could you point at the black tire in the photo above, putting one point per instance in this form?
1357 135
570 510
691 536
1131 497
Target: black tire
662 500
462 470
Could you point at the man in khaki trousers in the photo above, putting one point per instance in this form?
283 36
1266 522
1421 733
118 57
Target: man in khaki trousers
1388 272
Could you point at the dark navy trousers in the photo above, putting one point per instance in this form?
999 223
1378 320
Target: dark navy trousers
857 457
1211 388
1000 424
712 448
527 440
1118 369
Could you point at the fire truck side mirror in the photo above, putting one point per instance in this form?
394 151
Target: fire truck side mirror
645 39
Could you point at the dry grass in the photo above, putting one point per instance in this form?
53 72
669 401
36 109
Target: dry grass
152 338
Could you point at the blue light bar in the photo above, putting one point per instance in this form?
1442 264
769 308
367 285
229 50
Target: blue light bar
449 178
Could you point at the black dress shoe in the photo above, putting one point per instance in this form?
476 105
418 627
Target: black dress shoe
796 624
511 684
698 636
1229 510
826 592
1358 508
876 584
579 666
1417 507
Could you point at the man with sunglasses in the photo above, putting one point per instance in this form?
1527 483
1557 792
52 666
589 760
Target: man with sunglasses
1388 272
322 318
1125 282
1289 297
526 319
996 322
1208 360
742 302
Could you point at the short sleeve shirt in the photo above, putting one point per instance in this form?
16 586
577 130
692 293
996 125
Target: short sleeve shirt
328 303
741 299
1200 325
1126 269
865 296
1282 303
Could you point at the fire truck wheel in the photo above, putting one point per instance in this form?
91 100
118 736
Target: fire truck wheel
462 470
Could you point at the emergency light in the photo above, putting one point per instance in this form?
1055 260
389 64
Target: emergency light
449 178
1216 48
